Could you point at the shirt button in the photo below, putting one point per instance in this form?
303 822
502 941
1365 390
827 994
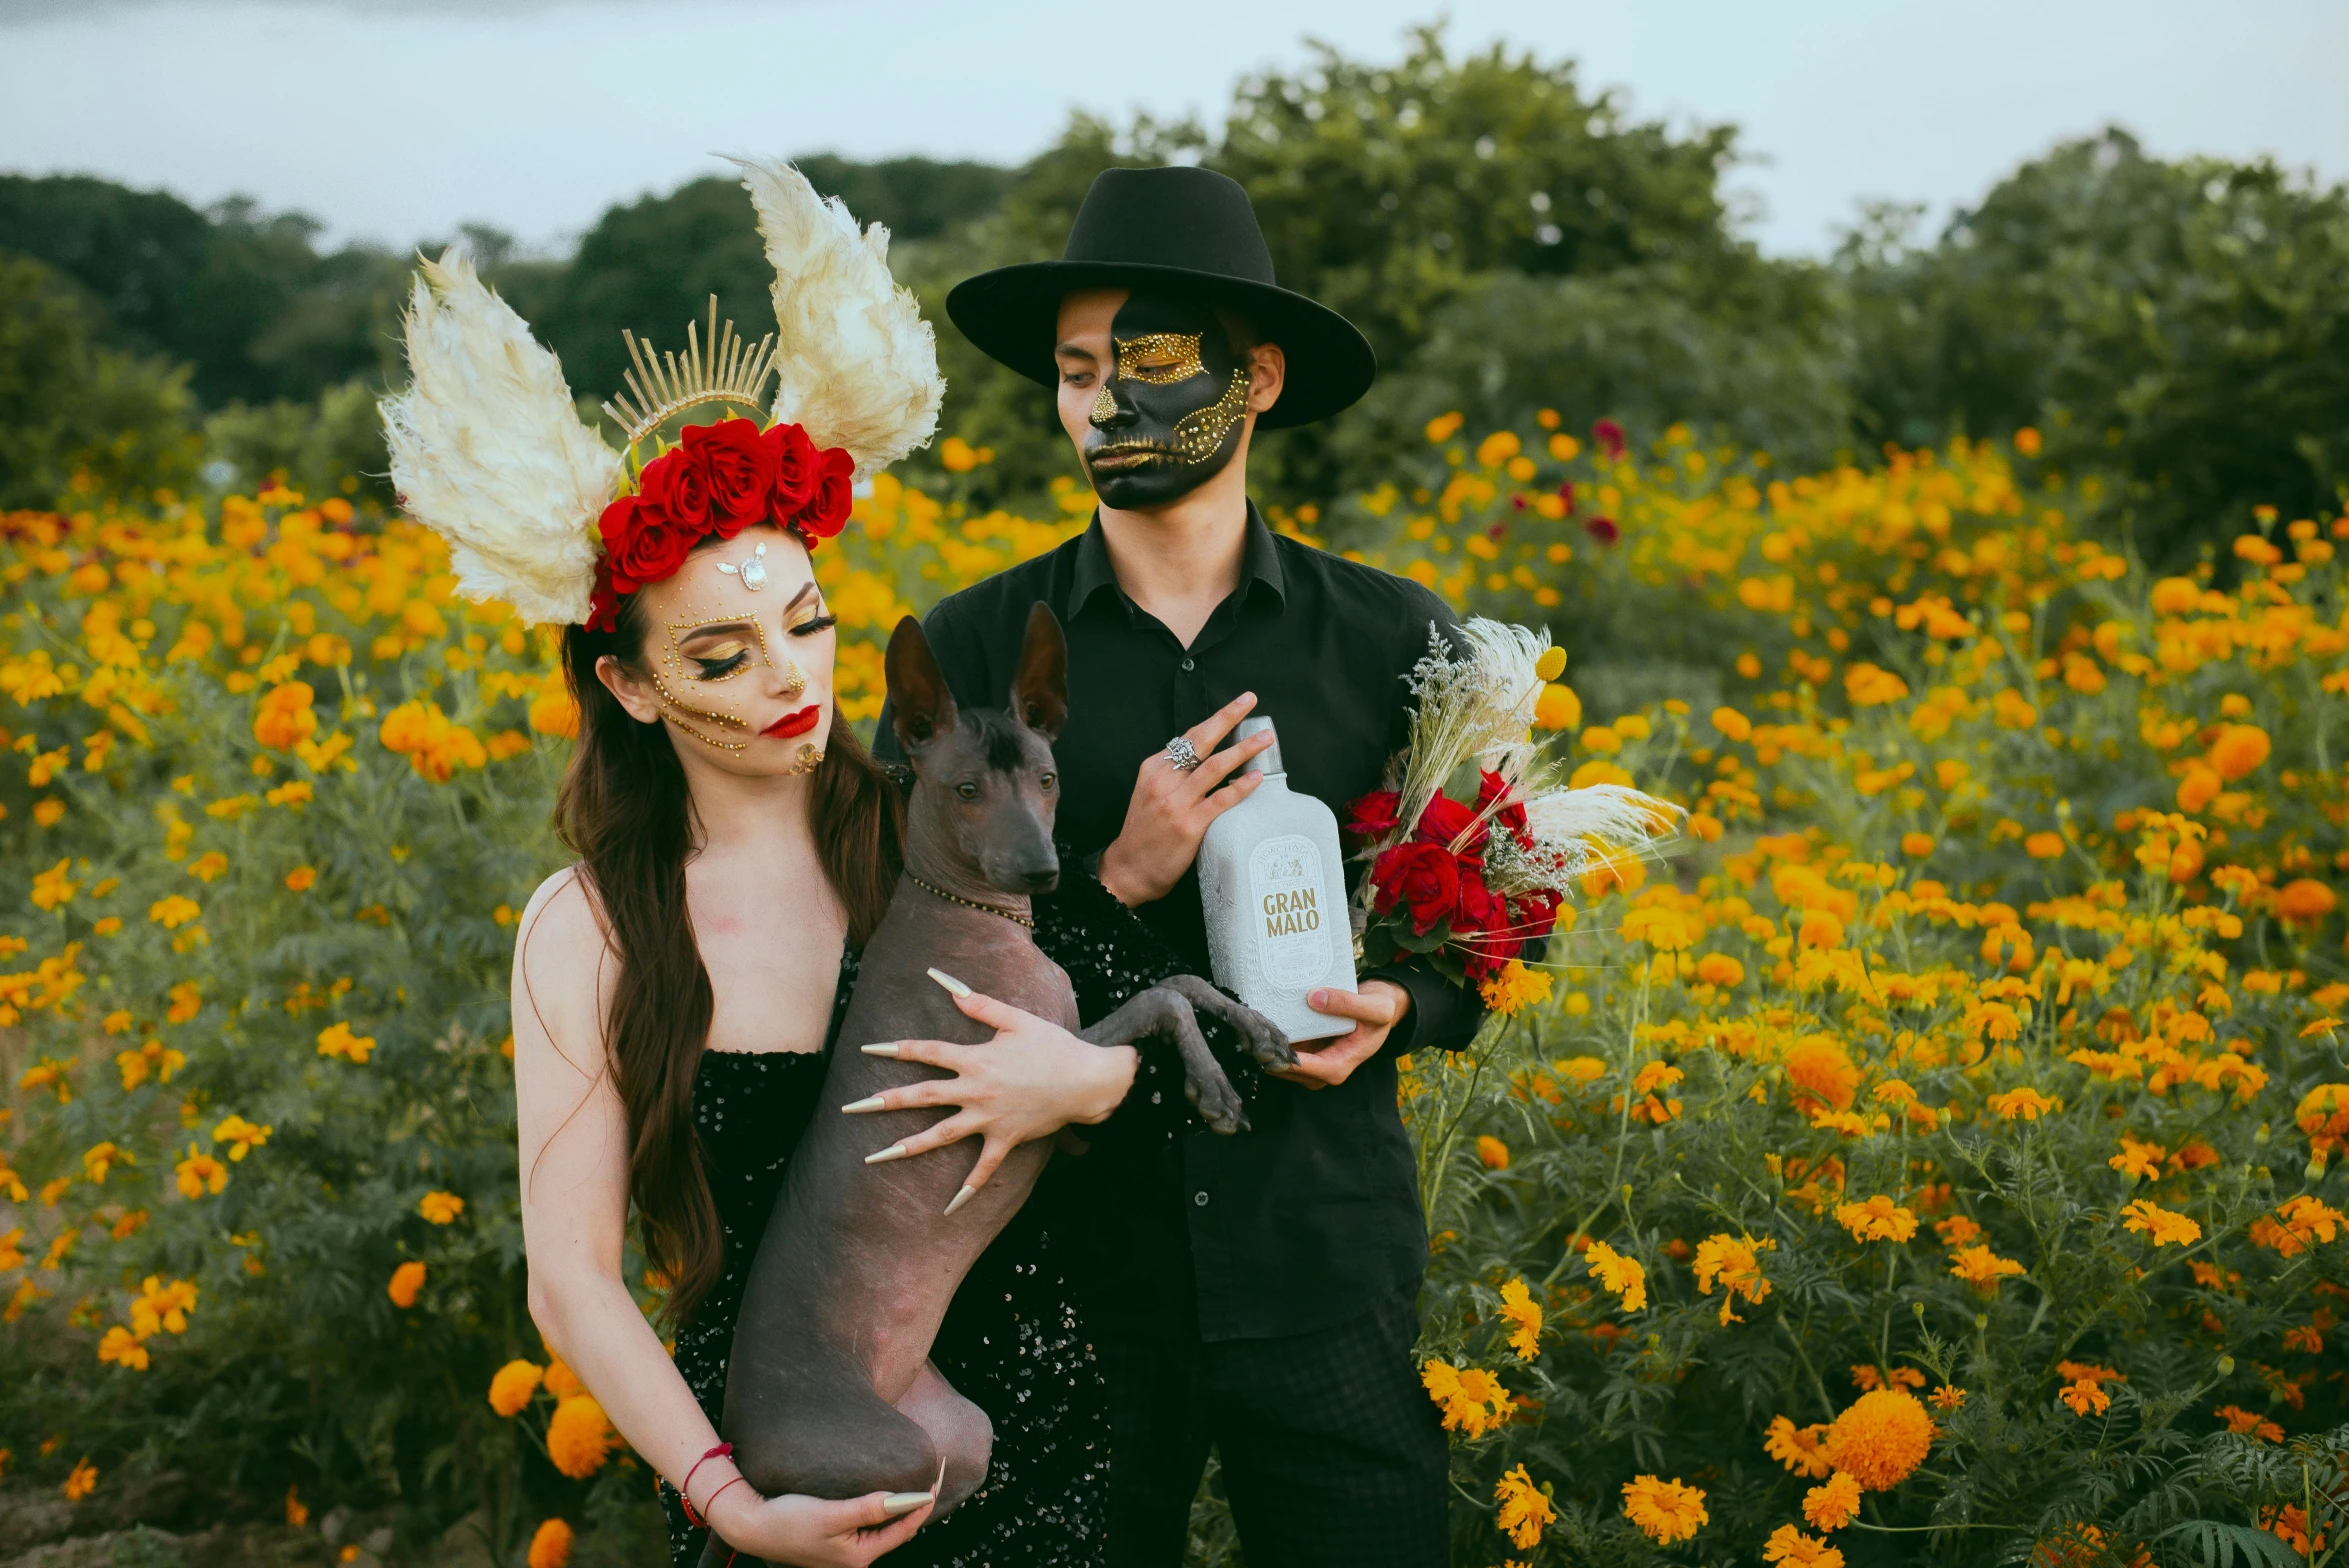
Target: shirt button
1199 1198
1187 664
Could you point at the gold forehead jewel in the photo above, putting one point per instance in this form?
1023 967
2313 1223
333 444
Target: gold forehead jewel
662 384
752 571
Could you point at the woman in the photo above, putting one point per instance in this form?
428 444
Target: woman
669 1027
674 991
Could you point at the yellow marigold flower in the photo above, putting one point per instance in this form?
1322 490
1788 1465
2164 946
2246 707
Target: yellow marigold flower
241 1135
162 1307
173 912
2138 1161
99 1158
1833 1503
154 1058
1735 1263
441 1208
186 1002
1601 740
1797 1447
2027 1103
120 1347
1788 1545
284 717
1880 1438
302 878
1869 686
1981 1268
578 1437
1519 1309
337 1040
52 887
2176 595
2044 846
1664 1511
555 713
1624 1276
1949 1397
82 1482
406 1281
1523 1510
1492 1152
1720 969
11 1251
1508 993
48 812
561 1381
1732 724
1557 708
208 865
2164 1226
2238 751
1877 1219
550 1545
1472 1399
513 1385
199 1173
1821 929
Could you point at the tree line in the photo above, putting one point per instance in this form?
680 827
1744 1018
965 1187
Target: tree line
1508 238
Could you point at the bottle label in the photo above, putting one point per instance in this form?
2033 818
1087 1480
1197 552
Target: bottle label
1292 924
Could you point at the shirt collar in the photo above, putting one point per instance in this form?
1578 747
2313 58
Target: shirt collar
1260 562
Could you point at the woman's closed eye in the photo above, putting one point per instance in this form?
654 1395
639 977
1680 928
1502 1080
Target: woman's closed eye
717 662
812 625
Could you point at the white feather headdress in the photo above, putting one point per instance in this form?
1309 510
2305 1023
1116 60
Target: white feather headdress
487 448
488 451
856 365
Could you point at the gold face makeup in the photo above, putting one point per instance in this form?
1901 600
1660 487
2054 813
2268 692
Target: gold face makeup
701 650
1164 418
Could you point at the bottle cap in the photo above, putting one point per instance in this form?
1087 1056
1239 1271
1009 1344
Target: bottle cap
1269 759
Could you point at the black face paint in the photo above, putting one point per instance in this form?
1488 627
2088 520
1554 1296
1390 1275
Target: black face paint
1169 411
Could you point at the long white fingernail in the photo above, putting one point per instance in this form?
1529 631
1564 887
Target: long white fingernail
953 985
905 1502
895 1151
871 1102
962 1198
885 1048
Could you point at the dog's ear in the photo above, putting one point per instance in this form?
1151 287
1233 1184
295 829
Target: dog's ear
1039 692
920 707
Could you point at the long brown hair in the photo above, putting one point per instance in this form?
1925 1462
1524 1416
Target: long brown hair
625 811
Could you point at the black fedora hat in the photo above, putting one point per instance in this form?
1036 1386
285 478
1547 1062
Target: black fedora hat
1176 225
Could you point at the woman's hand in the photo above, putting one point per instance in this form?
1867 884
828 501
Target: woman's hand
815 1532
1031 1080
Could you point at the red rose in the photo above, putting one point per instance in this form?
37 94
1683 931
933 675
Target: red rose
1535 913
1424 876
826 510
741 472
1445 819
795 469
677 484
603 602
641 544
1492 787
1478 908
1374 816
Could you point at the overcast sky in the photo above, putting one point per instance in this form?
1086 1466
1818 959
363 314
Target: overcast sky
396 119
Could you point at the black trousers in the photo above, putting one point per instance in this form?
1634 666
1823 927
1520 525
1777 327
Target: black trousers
1332 1452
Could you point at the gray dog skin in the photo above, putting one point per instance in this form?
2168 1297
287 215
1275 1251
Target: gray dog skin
830 1391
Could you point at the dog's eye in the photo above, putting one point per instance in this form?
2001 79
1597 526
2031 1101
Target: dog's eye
1049 780
967 791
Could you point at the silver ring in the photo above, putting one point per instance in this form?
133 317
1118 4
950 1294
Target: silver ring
1182 754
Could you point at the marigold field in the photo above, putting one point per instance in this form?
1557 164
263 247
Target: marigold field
1935 1160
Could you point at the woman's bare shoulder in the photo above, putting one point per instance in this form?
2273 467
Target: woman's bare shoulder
562 927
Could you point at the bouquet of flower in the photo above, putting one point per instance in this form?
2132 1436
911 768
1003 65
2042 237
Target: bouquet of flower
1476 840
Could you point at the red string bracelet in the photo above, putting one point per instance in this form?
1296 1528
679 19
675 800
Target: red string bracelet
721 1491
685 1489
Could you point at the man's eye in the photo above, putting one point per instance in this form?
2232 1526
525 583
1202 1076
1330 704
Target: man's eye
967 791
814 624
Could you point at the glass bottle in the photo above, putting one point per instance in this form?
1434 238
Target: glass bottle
1273 887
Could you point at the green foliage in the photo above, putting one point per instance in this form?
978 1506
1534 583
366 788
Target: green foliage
2184 324
69 405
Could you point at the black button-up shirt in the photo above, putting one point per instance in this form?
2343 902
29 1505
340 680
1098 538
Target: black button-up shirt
1311 1217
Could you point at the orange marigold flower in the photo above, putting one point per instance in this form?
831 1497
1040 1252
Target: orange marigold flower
1957 1230
513 1385
2085 1398
406 1280
579 1437
1520 1309
2238 751
2249 1423
1797 1447
2044 846
2165 1227
1664 1511
561 1381
1833 1503
1524 1510
1916 846
1949 1397
82 1482
441 1208
1472 1399
1822 1072
550 1545
1493 1153
1877 1219
2305 899
1880 1438
1735 1262
121 1348
1789 1546
1624 1276
2027 1103
1720 969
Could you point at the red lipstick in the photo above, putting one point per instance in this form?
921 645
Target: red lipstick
794 723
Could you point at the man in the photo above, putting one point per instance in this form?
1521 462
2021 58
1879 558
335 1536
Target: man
1254 1294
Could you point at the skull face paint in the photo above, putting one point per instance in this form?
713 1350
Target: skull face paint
1170 407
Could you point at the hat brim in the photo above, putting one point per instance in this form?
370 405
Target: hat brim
1012 315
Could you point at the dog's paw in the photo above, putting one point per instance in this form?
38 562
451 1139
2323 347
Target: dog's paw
1267 1042
1217 1103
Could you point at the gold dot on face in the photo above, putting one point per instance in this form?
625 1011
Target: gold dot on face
1160 358
1104 406
1198 433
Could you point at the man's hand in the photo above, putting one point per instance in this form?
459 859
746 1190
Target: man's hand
1375 1009
1170 809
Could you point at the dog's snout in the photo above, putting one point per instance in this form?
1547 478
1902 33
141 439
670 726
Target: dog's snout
1042 879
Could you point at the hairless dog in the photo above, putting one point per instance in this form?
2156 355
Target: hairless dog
830 1390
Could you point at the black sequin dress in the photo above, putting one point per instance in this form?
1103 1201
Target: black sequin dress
1013 1340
